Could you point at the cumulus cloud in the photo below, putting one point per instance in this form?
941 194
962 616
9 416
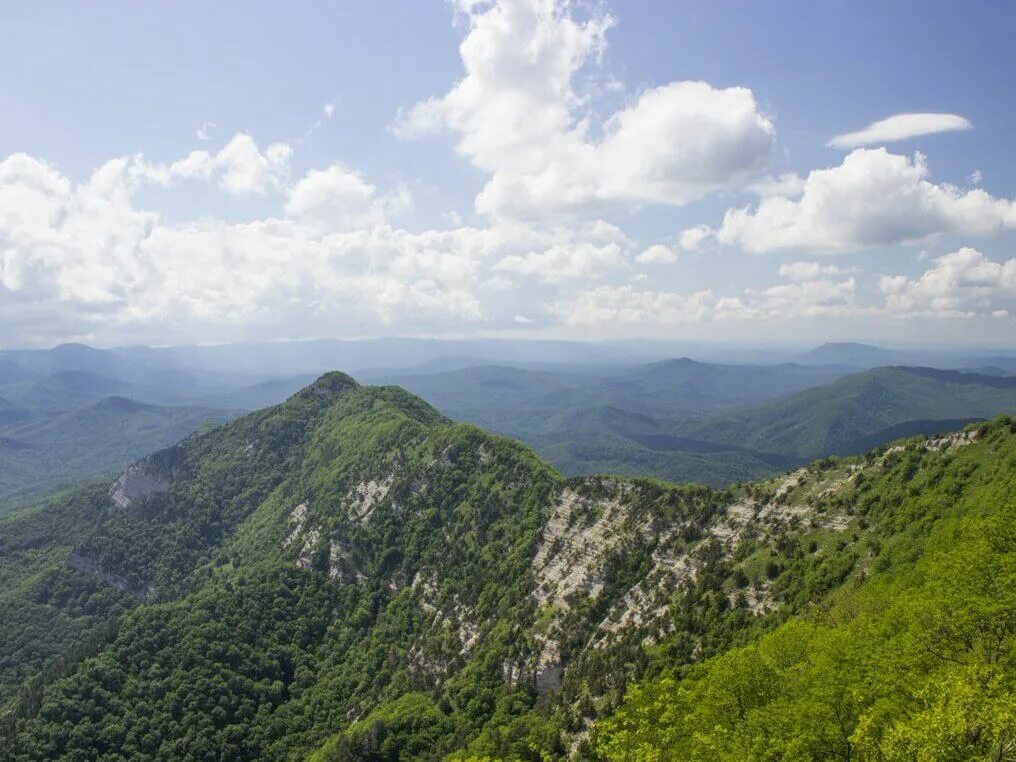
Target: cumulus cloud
691 239
816 297
900 127
622 305
658 254
810 292
805 271
873 197
519 115
567 253
962 283
84 259
242 168
340 199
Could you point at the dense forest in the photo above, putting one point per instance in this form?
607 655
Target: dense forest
351 575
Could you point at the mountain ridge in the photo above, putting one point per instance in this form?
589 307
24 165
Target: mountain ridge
351 574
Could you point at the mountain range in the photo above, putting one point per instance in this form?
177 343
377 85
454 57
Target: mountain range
598 409
353 575
683 420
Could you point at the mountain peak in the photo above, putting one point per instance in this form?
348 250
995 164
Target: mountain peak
331 384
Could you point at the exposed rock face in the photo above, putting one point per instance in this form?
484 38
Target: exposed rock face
579 533
297 519
145 478
366 495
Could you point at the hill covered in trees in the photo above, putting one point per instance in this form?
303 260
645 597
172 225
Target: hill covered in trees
352 575
687 421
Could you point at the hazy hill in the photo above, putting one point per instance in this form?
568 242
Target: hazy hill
861 411
45 452
619 420
852 355
351 575
683 420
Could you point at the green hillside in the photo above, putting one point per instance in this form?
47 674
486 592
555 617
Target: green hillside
861 411
619 420
686 421
42 453
916 659
351 575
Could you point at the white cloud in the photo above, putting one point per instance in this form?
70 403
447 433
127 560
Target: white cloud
79 260
658 254
901 127
204 132
960 284
565 261
975 177
626 305
691 239
329 110
811 292
818 297
240 167
873 197
806 271
520 117
82 258
789 184
338 199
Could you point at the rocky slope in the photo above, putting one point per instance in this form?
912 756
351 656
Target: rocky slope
350 575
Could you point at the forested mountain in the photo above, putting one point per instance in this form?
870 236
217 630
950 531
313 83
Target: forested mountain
682 420
42 452
861 411
352 575
619 420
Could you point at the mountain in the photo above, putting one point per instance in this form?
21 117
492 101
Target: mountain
499 394
352 575
855 356
64 391
851 354
42 453
860 411
619 419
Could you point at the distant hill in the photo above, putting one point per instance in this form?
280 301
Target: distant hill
850 353
513 400
65 390
42 453
860 411
619 419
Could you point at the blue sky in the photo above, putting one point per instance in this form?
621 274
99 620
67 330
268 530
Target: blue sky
596 170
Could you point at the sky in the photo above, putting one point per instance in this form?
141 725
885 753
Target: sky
206 172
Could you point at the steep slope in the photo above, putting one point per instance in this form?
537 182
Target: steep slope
915 660
861 411
350 575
